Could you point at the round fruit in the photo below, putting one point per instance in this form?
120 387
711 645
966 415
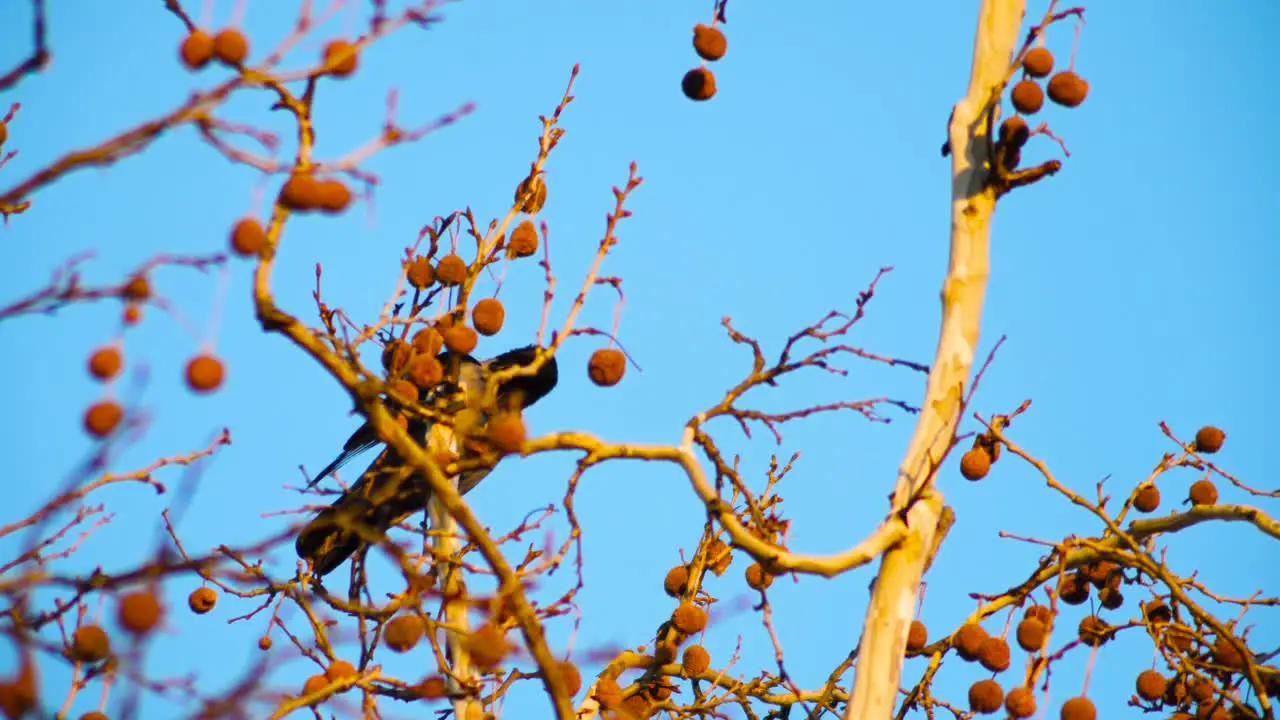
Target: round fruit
524 240
137 289
985 696
696 660
264 643
1027 97
103 417
709 42
757 578
699 84
570 676
394 355
1039 612
1068 89
607 693
969 639
332 196
94 715
451 270
204 373
689 618
1226 654
975 464
90 644
425 371
994 654
1074 589
460 339
1031 634
344 67
139 612
202 599
428 341
1147 499
105 362
535 198
132 314
1157 611
507 433
339 670
676 581
432 688
196 50
1093 630
421 274
1209 439
487 647
1203 492
231 47
1110 598
403 633
606 367
487 316
1014 132
314 684
1038 62
1150 685
917 636
300 192
248 238
1079 708
1020 702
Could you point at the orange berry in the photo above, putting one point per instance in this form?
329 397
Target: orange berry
696 660
487 647
1147 499
534 198
432 688
90 644
105 362
757 577
1038 62
699 84
487 316
676 581
1027 97
975 464
403 633
451 270
1068 89
332 196
132 315
339 670
689 618
1079 708
917 636
395 354
248 238
231 47
344 67
985 696
570 676
103 417
1150 685
420 273
202 599
1020 702
969 639
524 240
607 693
1031 634
606 367
1014 132
709 42
1203 492
314 684
94 715
137 289
196 50
994 654
204 373
1209 439
300 192
264 643
139 612
460 339
425 371
428 341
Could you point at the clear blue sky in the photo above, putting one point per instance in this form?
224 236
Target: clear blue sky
1136 286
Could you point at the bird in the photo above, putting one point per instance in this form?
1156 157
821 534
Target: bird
389 491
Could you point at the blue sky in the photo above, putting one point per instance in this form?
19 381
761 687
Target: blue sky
1134 287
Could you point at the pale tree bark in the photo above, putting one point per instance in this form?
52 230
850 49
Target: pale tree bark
916 500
